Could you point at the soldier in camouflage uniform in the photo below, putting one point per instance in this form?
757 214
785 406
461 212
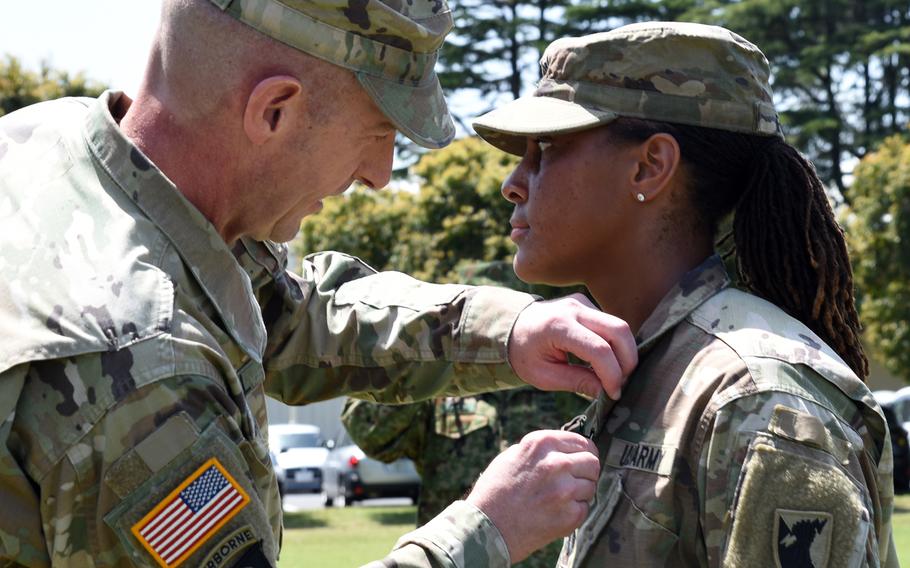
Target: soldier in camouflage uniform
452 439
746 436
145 311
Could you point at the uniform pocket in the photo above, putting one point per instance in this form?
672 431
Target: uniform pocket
618 533
455 417
188 507
579 543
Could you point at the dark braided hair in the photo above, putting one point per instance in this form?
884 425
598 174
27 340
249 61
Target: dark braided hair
789 248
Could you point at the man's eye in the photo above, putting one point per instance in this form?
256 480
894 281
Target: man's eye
543 145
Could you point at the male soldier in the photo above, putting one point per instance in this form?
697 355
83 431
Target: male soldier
145 311
452 439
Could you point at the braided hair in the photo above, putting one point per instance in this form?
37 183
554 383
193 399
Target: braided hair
789 248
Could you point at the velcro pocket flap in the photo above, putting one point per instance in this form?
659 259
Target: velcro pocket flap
795 506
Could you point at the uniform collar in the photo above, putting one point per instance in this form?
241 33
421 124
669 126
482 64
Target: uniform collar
193 236
692 290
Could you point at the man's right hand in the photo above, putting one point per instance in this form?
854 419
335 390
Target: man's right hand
546 332
539 489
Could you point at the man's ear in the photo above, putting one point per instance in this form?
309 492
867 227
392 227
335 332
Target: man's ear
272 107
658 159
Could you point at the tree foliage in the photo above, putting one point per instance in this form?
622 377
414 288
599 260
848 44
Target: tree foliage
841 70
878 223
454 228
495 45
20 87
457 217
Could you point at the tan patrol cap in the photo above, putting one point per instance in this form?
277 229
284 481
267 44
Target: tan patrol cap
665 71
390 45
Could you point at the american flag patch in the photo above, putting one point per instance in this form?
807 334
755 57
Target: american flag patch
192 513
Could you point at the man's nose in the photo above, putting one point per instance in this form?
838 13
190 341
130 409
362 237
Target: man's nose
376 169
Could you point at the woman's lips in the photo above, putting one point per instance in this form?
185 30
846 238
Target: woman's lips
519 232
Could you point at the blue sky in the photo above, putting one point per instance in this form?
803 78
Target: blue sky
107 39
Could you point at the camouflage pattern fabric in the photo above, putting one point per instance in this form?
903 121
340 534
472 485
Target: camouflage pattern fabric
741 439
453 439
137 346
664 71
390 45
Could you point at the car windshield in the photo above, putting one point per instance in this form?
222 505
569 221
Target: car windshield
301 440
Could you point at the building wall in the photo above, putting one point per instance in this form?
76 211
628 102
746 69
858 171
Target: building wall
326 415
881 379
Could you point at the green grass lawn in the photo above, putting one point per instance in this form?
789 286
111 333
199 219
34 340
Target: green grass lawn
345 538
902 528
342 538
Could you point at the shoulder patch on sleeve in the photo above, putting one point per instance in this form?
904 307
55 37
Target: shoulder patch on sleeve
796 507
191 514
803 538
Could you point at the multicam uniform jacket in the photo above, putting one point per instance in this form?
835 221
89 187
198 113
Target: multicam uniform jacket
452 440
137 349
740 440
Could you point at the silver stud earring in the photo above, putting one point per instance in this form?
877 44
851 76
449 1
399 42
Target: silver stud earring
640 197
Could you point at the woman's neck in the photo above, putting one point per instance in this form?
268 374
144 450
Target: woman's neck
633 289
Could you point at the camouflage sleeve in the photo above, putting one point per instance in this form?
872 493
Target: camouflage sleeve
97 485
342 329
459 537
20 533
784 481
387 432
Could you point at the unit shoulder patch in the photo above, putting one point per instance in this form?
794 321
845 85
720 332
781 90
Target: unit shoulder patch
191 514
802 538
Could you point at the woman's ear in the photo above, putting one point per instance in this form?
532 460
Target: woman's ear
273 107
658 160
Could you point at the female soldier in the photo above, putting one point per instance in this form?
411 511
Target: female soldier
746 436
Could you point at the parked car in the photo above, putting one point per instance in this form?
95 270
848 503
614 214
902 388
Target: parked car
350 475
900 403
279 473
893 406
300 455
900 446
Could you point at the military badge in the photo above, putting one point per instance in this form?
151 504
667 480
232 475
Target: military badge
191 514
802 538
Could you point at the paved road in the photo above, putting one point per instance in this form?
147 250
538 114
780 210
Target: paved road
311 501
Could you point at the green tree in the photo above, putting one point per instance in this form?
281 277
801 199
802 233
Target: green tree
456 217
454 228
586 16
20 87
878 226
841 70
495 46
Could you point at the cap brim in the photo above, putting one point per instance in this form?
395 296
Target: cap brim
508 126
420 113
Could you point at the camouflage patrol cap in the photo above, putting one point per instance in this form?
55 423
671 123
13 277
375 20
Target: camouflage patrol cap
390 45
666 71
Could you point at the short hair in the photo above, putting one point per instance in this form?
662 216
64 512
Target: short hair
203 57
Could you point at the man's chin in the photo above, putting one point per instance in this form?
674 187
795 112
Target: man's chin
283 235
